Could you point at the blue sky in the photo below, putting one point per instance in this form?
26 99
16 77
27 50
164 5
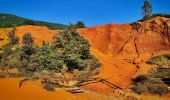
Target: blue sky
92 12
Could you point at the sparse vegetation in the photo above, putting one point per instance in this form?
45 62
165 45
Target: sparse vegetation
49 86
13 38
80 24
151 86
163 61
153 83
153 16
68 52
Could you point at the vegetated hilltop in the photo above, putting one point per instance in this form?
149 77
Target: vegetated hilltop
9 20
122 49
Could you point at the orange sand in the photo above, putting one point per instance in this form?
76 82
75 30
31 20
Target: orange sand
32 90
121 48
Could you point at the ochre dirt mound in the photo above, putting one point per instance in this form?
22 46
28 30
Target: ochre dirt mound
41 33
32 90
124 48
121 48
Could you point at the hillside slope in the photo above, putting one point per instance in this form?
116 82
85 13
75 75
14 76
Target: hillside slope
8 19
124 48
121 48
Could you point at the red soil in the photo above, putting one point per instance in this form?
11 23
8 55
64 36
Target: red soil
121 48
124 48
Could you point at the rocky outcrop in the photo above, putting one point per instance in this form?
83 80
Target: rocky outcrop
124 48
121 48
130 39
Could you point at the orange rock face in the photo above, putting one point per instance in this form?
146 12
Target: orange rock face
121 48
41 33
124 48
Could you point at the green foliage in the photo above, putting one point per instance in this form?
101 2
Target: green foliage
160 60
140 78
48 58
140 88
68 52
13 38
11 61
8 20
75 50
158 88
150 84
28 22
6 51
49 86
164 73
147 9
27 51
80 24
153 16
28 39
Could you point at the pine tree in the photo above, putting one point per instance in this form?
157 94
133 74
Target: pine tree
147 9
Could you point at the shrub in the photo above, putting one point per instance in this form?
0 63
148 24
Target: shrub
140 78
153 16
48 58
49 86
28 48
140 88
158 88
6 51
13 38
27 51
28 38
69 51
80 24
161 60
153 86
75 50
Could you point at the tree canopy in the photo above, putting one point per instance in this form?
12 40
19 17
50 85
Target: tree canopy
146 9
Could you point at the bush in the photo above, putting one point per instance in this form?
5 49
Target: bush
75 50
153 16
28 47
27 51
49 86
69 51
153 86
6 51
161 60
140 78
140 88
28 38
159 88
80 24
13 38
48 58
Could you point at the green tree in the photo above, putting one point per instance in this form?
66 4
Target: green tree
28 22
75 50
27 49
48 58
147 9
28 38
13 38
80 24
